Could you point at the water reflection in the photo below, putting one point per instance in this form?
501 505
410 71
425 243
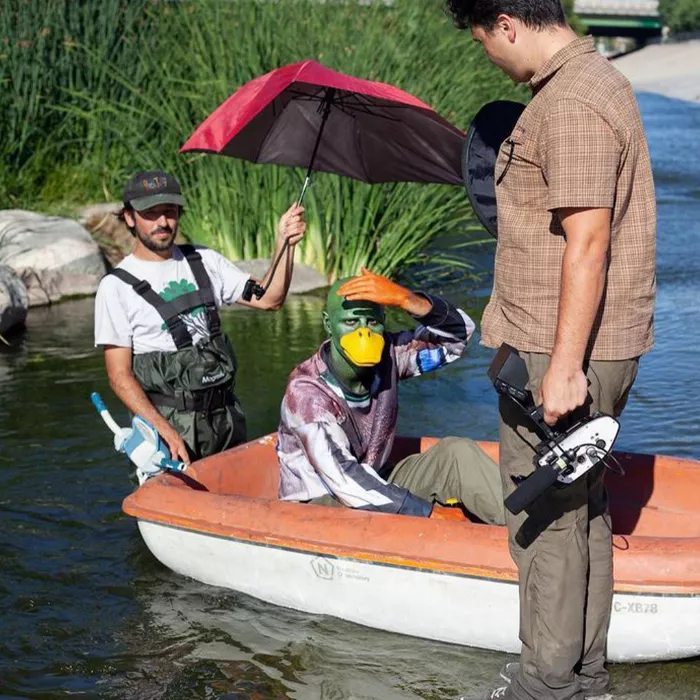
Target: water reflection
224 645
284 653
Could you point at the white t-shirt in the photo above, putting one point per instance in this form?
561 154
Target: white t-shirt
124 319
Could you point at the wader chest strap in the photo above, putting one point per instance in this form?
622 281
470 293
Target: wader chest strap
168 313
204 283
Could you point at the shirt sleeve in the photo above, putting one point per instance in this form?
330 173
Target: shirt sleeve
353 483
112 325
440 338
231 280
580 157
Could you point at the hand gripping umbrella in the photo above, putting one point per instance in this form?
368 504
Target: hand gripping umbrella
307 115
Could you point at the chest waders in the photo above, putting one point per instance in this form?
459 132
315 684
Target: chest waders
192 387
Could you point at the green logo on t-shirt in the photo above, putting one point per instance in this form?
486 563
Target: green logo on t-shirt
195 319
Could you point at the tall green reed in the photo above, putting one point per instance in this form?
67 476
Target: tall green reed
41 57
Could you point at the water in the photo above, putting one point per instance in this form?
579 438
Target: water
87 611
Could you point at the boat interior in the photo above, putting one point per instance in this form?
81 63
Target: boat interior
656 496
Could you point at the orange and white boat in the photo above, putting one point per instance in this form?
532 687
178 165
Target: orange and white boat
446 579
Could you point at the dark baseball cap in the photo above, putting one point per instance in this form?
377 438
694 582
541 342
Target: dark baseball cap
152 187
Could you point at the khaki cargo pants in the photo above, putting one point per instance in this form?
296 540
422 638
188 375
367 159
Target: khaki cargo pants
563 549
454 468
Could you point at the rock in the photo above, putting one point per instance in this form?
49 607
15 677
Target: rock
55 257
14 300
305 278
111 234
98 211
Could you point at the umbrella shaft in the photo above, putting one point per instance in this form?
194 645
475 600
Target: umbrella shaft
327 103
307 181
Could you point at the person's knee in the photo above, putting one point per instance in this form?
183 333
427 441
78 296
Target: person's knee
456 446
499 514
451 441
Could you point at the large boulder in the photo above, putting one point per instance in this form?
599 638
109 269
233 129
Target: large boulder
55 257
111 234
304 278
14 300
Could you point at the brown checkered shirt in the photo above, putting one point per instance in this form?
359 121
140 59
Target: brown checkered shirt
579 143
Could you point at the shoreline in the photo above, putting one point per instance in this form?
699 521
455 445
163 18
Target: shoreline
672 70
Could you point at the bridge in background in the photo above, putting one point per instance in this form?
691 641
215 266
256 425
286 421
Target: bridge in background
638 19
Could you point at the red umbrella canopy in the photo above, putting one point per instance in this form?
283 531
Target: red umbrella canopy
305 113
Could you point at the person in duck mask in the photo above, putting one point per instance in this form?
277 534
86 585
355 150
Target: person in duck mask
339 412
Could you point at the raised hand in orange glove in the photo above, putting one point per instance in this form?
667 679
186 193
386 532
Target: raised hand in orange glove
381 290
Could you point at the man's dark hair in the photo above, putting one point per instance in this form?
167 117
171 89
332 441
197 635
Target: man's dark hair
122 211
535 14
120 216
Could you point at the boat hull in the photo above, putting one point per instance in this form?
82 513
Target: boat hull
471 610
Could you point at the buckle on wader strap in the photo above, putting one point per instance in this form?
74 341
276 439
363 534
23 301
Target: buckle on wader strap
206 400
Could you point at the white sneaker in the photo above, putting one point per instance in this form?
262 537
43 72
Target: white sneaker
509 671
497 694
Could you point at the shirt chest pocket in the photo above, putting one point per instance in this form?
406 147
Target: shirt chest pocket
520 180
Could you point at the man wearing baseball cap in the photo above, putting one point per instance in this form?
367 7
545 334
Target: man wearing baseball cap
156 316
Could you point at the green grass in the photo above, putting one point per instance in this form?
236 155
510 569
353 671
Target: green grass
93 91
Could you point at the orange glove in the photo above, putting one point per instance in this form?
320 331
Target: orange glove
380 290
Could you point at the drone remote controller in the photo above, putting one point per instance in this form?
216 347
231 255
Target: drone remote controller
561 457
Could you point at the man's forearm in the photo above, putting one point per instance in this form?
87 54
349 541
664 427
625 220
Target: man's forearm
583 276
130 393
280 281
417 305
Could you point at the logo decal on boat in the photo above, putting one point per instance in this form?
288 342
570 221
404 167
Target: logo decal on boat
332 570
323 568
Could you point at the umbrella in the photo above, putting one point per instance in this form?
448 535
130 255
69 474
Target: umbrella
310 116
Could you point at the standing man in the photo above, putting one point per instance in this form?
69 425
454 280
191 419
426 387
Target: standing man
156 315
574 292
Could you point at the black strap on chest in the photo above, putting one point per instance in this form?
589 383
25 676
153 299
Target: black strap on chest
170 311
204 283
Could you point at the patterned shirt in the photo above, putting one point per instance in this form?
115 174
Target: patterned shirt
331 442
578 143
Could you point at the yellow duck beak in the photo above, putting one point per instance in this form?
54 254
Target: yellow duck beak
363 347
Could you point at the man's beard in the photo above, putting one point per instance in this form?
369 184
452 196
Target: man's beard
155 245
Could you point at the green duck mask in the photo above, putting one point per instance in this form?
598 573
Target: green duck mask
356 329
